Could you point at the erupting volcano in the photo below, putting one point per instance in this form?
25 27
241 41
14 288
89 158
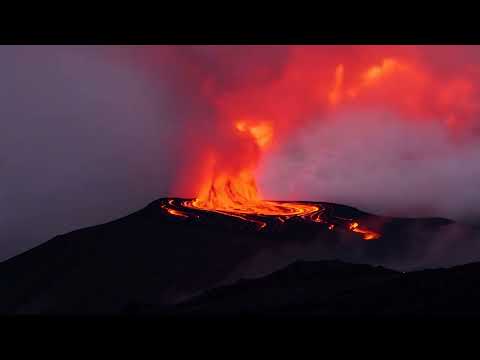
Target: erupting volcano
270 216
321 157
237 195
255 117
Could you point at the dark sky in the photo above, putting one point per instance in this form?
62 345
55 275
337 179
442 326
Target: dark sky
82 141
89 134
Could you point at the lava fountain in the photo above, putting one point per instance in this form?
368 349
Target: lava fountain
265 108
236 195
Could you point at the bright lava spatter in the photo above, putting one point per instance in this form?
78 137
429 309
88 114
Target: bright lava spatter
286 211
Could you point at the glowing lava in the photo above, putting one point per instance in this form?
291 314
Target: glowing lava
301 214
234 192
367 234
254 116
237 193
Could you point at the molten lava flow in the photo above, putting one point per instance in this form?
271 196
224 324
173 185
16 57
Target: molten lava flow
268 216
169 209
235 194
367 234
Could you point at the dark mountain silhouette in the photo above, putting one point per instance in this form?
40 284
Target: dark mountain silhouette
333 289
149 260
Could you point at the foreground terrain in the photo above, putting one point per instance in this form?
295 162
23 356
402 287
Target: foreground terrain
153 262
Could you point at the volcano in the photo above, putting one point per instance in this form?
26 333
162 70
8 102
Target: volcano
169 252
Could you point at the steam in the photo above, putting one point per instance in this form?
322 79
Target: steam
381 163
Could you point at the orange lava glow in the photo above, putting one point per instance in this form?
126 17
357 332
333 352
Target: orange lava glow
367 234
174 212
266 107
237 193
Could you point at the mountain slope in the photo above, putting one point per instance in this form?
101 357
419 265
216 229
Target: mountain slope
340 290
152 258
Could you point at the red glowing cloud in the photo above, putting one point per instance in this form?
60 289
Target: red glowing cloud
259 96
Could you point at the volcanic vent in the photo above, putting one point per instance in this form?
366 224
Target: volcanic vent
230 190
272 216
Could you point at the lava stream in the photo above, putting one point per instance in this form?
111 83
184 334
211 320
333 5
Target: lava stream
271 213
